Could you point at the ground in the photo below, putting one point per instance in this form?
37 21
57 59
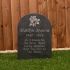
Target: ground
60 61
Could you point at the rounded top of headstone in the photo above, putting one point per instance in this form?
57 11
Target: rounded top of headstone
34 21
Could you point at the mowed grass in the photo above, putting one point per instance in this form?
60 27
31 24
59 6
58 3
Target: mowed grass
60 61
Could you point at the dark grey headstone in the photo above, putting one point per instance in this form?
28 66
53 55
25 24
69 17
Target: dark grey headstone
34 37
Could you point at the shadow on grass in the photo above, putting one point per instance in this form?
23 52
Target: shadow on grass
60 60
55 55
8 56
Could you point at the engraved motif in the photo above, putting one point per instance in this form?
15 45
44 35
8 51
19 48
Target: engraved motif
34 21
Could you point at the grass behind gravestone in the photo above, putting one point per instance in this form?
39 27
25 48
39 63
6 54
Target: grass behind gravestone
60 61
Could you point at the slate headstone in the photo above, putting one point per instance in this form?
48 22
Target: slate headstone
34 37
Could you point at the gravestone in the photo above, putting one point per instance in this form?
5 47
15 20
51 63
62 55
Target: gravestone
34 37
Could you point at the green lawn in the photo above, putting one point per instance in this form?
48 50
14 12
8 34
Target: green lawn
60 61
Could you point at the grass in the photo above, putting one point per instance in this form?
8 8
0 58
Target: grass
60 61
